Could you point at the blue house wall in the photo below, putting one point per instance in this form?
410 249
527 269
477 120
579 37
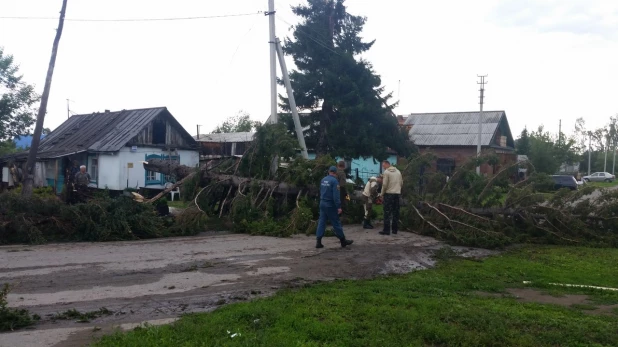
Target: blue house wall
363 168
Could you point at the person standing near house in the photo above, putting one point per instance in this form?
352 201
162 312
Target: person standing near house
82 180
343 181
330 208
369 194
391 191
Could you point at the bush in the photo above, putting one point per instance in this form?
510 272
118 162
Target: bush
12 318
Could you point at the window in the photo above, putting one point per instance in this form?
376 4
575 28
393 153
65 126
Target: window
151 176
94 169
595 174
159 132
601 174
446 165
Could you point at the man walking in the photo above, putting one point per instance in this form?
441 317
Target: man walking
391 191
369 194
330 208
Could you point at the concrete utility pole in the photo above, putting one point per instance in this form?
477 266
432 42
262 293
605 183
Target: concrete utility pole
288 87
480 138
589 150
273 61
606 146
68 110
560 133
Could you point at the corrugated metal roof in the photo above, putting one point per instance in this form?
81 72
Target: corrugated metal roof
453 129
226 137
99 132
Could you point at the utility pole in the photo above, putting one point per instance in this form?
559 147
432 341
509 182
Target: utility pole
480 137
589 150
68 110
606 146
560 133
40 119
288 87
273 61
614 162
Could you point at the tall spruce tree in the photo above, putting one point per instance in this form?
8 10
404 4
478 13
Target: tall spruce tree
349 113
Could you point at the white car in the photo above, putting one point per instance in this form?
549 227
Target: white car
600 177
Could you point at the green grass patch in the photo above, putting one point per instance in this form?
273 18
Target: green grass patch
603 184
439 307
81 317
179 204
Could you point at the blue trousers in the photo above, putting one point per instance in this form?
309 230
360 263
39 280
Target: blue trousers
328 212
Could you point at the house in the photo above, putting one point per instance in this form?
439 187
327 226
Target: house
453 138
112 145
213 146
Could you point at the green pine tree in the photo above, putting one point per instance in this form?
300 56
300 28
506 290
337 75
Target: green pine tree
349 113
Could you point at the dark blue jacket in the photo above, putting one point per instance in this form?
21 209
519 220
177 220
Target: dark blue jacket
329 192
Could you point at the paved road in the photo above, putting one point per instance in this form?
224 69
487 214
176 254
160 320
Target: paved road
156 281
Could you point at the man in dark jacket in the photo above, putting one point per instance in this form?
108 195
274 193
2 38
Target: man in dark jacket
330 208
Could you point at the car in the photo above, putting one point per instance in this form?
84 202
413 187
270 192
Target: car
600 177
564 181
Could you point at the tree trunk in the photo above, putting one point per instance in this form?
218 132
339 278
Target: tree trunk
36 139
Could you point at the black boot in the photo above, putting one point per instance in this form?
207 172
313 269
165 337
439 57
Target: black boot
367 224
345 242
319 244
384 232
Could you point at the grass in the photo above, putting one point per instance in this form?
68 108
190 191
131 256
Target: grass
603 184
439 307
13 318
178 204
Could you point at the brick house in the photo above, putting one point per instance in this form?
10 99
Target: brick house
453 138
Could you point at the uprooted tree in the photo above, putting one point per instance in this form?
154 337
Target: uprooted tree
466 209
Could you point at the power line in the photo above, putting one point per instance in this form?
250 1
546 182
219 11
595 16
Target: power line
135 19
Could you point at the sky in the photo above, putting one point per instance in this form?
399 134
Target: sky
546 60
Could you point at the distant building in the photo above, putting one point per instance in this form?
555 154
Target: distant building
453 138
112 145
221 145
24 141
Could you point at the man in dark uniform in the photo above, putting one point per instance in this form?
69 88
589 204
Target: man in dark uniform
343 181
330 208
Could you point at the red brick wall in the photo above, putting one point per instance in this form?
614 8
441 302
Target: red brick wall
463 154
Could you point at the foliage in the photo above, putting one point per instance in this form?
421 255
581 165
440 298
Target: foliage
17 100
42 219
348 114
460 303
241 122
13 318
81 317
498 211
8 147
270 140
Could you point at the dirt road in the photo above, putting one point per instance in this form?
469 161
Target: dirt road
156 281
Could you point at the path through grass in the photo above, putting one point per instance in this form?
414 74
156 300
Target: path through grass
444 307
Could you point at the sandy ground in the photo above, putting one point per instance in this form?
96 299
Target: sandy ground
157 281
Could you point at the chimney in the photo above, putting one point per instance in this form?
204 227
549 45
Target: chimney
106 111
198 132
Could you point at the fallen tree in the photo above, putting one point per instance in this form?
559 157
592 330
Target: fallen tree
467 209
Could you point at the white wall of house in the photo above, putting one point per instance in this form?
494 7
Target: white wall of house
125 167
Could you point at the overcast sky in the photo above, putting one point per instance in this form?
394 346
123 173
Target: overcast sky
546 59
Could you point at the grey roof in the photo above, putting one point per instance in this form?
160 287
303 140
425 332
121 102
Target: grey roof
226 137
454 128
100 132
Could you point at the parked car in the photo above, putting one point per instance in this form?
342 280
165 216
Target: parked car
600 177
564 181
